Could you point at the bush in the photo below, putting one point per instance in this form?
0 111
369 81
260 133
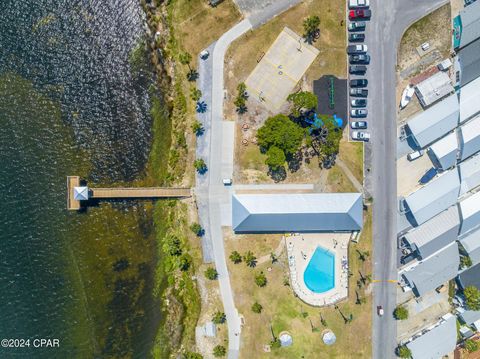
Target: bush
195 94
197 128
172 245
200 166
281 132
250 259
219 351
219 318
197 229
235 257
404 352
400 313
261 279
211 273
191 355
184 263
472 297
257 307
275 343
471 345
465 262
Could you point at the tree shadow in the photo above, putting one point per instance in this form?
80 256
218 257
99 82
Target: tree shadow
278 175
295 161
192 75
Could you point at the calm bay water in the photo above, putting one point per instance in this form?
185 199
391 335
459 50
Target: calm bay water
74 101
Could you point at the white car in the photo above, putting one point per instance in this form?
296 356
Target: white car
357 49
227 181
204 54
360 136
354 4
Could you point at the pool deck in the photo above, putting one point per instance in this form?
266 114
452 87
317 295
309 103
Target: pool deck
300 249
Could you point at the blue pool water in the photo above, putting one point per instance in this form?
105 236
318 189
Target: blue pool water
319 276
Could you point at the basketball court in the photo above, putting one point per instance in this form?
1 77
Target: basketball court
280 69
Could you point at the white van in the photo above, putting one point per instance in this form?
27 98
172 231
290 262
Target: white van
204 54
414 155
227 181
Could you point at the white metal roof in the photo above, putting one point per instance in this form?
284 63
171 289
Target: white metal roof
469 174
470 317
434 88
445 150
469 103
297 212
435 197
434 270
437 342
470 17
470 138
471 243
470 212
436 233
435 122
80 193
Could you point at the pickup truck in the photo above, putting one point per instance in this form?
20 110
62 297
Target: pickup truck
354 4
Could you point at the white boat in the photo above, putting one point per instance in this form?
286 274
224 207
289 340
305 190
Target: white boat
406 96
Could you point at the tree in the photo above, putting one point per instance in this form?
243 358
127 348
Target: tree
197 229
198 128
184 263
257 307
471 345
235 257
275 158
241 99
200 165
261 279
219 318
303 101
363 255
191 355
281 132
465 262
211 273
250 259
195 94
472 297
404 352
310 27
219 351
275 343
400 313
185 58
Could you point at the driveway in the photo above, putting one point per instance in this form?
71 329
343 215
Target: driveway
390 18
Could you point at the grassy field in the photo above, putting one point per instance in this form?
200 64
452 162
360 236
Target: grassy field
352 154
198 24
337 181
434 28
282 311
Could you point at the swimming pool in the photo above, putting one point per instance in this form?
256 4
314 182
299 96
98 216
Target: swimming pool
319 276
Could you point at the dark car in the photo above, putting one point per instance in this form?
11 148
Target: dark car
359 59
356 37
357 69
357 26
356 92
359 83
358 102
360 14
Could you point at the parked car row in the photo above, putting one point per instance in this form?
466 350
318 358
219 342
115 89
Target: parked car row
358 59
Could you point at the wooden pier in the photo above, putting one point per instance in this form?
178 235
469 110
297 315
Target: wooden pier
77 193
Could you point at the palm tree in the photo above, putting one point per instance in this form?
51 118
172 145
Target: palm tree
185 58
250 259
363 255
310 26
235 257
322 320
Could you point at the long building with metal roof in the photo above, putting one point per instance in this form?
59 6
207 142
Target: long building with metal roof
435 122
471 245
434 88
469 104
435 197
445 151
436 233
469 174
469 60
469 138
470 213
433 271
436 342
470 24
315 212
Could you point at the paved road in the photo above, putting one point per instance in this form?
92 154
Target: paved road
390 18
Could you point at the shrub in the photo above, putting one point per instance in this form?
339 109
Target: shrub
200 166
197 229
197 128
250 259
275 158
235 257
471 345
219 318
191 355
219 351
400 313
404 352
261 279
211 273
472 297
257 307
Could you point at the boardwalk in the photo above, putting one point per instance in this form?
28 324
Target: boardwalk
140 192
72 203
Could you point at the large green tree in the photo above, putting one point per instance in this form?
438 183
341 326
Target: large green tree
400 313
219 351
472 297
275 158
281 132
302 101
